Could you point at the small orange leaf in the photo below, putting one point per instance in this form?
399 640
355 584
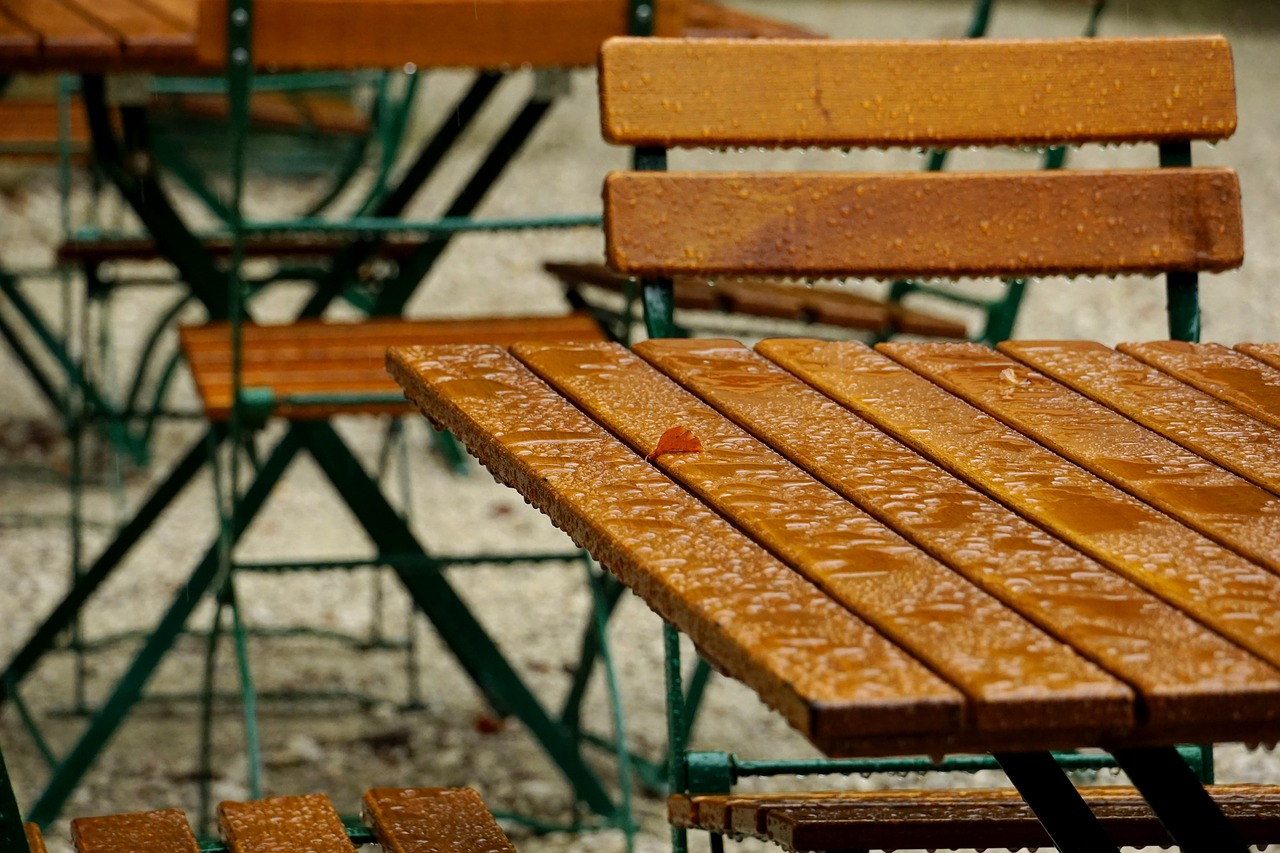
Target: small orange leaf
678 439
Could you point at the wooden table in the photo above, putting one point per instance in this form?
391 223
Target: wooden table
922 548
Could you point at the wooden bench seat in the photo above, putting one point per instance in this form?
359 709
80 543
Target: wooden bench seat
342 360
401 820
31 132
766 298
947 818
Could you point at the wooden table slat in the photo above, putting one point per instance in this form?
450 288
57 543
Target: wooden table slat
825 671
1168 657
17 40
1267 353
1228 509
164 831
1196 420
1244 382
1233 595
140 30
1015 676
429 820
307 822
62 30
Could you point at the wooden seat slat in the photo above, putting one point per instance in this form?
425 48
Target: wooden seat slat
1168 657
714 20
984 818
1234 596
328 114
342 358
33 130
35 841
961 633
1226 508
428 820
1269 354
920 225
1197 421
979 92
1244 382
138 28
430 33
164 830
307 822
62 31
762 297
828 673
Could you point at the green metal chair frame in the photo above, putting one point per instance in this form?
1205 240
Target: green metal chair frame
225 294
715 772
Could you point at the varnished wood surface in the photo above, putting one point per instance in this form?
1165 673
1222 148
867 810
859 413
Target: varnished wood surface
405 820
962 92
102 35
426 820
307 822
882 480
947 819
164 829
932 224
316 357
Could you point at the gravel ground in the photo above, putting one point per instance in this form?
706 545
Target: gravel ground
340 745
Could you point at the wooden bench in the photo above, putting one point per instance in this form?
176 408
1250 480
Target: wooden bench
946 819
1092 547
31 132
762 298
401 820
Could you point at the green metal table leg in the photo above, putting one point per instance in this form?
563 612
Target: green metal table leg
65 612
129 689
12 835
474 649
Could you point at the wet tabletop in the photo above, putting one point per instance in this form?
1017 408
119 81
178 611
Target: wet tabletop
917 547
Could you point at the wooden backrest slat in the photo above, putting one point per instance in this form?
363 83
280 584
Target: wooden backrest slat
430 33
1246 383
427 820
1200 422
307 822
1229 593
1166 656
1015 676
1226 508
931 224
140 29
166 830
61 30
919 93
661 542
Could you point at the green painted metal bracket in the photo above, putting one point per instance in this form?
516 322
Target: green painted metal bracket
12 835
1182 289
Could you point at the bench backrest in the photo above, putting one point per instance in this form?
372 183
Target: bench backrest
1178 220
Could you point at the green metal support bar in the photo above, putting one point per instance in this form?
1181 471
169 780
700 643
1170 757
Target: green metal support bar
1182 288
348 261
45 637
12 836
207 575
458 628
